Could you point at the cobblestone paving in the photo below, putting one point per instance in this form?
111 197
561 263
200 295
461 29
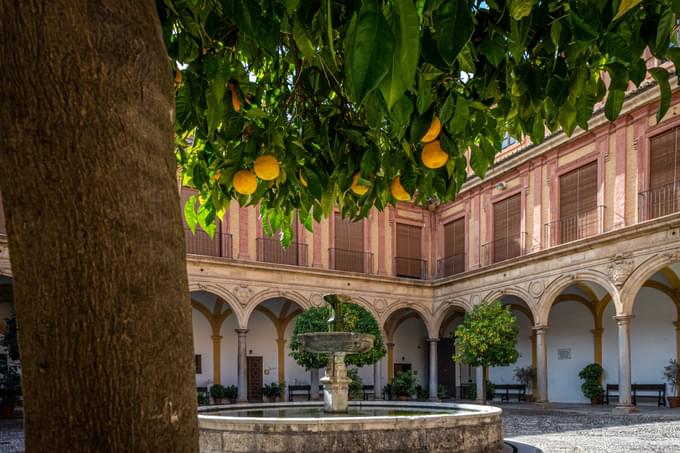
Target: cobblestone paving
585 430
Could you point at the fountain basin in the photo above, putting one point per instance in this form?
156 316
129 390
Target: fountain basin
370 426
330 342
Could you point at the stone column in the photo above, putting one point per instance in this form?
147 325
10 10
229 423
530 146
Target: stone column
377 380
625 399
597 345
217 359
677 339
480 385
314 382
541 364
241 365
433 368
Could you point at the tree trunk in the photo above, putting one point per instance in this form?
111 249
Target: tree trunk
87 174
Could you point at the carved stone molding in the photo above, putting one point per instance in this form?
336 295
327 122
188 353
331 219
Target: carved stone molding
536 288
475 299
243 293
620 268
379 305
316 300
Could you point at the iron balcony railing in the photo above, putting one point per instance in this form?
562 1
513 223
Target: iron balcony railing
202 244
451 265
659 201
410 267
271 251
351 260
584 224
504 248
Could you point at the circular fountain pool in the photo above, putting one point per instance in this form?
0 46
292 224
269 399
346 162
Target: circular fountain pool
368 426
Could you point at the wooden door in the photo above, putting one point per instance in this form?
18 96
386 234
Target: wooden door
254 371
401 368
446 367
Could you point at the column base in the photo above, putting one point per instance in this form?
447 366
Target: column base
542 404
625 409
434 399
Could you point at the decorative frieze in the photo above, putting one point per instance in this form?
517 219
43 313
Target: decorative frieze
620 268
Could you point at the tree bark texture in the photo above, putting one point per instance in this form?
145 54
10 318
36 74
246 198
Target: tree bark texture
87 174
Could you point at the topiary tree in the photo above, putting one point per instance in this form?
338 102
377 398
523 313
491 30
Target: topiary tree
357 319
487 337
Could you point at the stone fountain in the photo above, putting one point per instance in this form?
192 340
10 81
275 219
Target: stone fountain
337 344
357 427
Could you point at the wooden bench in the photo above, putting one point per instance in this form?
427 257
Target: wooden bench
511 389
299 390
658 391
369 390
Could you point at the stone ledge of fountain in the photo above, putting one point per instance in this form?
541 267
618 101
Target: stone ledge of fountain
330 342
477 430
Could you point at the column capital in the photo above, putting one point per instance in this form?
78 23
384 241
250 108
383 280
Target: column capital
390 345
540 329
433 340
597 332
623 319
241 332
216 337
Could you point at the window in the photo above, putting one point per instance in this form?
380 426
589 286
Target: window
348 253
454 248
199 365
578 205
662 197
507 225
508 140
408 260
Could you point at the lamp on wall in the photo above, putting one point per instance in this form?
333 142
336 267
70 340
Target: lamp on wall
500 186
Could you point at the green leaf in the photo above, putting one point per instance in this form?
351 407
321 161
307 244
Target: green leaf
424 100
624 7
461 116
216 109
568 117
661 77
453 28
302 39
446 111
521 8
368 51
190 213
493 48
612 107
663 32
638 70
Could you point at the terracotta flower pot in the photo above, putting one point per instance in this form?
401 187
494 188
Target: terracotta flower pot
673 401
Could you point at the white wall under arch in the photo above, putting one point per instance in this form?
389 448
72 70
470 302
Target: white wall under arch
203 347
652 336
506 375
261 341
229 351
569 327
410 343
610 345
295 374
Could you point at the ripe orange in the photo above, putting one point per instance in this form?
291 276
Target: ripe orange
356 187
245 182
398 190
234 97
267 167
433 131
433 155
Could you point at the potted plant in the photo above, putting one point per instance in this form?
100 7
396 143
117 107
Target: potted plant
526 375
271 392
356 387
387 391
231 393
671 373
218 392
490 390
592 382
441 392
404 385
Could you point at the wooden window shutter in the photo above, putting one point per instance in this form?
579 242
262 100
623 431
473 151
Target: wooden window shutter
408 257
507 226
454 247
578 205
663 159
348 254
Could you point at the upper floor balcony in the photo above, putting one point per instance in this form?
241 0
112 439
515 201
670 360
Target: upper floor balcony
584 224
451 265
350 260
270 250
410 267
201 243
504 249
659 201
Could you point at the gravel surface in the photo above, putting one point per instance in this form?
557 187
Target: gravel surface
593 431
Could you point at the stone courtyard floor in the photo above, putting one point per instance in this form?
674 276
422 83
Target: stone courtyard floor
560 428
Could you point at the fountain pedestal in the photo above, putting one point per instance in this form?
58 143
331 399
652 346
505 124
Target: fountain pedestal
336 384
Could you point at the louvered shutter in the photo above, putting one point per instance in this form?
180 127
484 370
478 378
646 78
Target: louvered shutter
578 204
271 250
409 260
507 235
348 254
454 247
662 197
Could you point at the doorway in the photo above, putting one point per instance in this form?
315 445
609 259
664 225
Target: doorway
254 372
446 367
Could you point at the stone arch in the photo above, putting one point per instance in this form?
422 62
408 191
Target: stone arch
444 310
519 293
266 295
639 277
423 313
362 302
223 294
557 286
